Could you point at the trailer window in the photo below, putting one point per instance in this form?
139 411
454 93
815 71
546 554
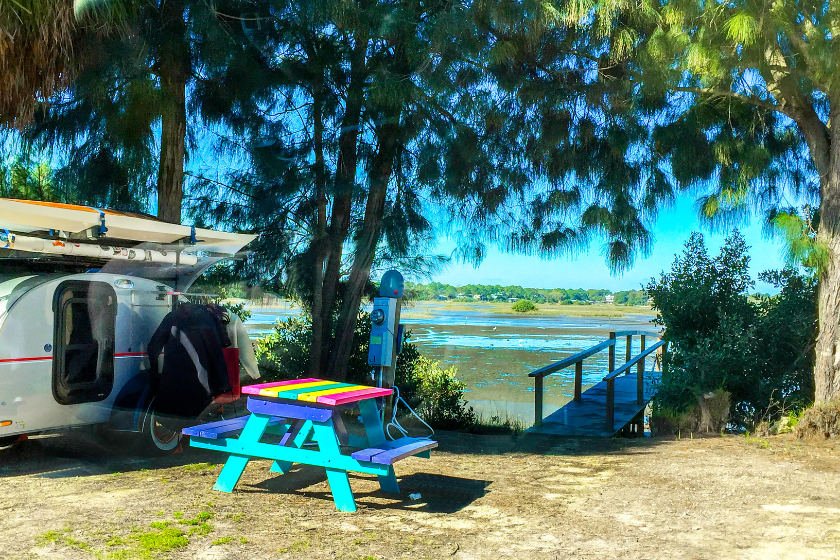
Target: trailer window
83 354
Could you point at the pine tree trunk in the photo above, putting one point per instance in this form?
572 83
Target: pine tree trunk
345 179
320 248
827 368
366 243
170 185
173 68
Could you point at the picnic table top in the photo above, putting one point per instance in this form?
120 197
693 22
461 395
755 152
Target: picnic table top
331 393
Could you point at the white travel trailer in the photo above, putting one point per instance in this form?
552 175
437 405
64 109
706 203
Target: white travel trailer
82 290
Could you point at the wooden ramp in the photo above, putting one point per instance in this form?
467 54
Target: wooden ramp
587 416
606 408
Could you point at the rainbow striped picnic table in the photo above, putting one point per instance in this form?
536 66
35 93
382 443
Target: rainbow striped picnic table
305 412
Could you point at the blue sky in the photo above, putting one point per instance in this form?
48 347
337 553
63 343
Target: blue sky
588 270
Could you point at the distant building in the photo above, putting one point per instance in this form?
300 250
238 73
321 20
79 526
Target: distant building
476 296
609 298
513 299
443 297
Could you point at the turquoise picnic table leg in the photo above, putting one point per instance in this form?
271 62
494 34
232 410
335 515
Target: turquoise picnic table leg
299 432
235 465
324 435
376 436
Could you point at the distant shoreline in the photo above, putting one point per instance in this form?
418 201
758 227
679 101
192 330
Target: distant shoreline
543 310
430 309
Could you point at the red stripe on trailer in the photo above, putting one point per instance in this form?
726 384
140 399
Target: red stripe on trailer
8 360
129 354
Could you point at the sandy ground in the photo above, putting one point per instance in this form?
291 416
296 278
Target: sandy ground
481 497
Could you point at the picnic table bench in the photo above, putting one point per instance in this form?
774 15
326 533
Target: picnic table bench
306 411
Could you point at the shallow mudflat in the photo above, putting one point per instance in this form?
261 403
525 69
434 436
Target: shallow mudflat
480 497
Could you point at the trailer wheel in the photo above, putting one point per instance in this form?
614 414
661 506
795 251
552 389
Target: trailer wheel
8 440
164 434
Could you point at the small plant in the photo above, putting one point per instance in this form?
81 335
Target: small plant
497 425
441 396
524 306
48 537
199 466
198 519
163 541
201 530
300 546
222 540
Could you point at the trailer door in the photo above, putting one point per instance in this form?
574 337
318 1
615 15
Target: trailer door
83 341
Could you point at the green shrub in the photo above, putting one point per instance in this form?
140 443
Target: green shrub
441 396
760 350
524 305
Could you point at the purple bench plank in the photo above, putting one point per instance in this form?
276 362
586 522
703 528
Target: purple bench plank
392 451
394 455
213 430
286 410
366 454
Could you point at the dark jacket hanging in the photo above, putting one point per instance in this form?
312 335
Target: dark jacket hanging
194 367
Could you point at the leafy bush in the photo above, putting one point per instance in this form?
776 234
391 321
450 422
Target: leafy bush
441 396
524 305
760 351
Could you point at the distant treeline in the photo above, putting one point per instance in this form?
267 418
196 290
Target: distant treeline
438 291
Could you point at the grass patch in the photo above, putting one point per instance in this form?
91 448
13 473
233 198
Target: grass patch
199 467
222 540
762 443
201 530
160 524
236 517
163 541
300 546
61 538
243 540
198 519
116 541
498 425
48 538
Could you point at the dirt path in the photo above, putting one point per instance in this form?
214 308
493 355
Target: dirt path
481 497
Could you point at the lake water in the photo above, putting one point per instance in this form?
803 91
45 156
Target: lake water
495 353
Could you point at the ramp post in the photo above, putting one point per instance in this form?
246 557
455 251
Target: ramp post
538 401
611 362
640 376
578 379
610 404
628 352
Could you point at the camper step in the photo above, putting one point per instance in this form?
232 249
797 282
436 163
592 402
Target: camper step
214 430
392 451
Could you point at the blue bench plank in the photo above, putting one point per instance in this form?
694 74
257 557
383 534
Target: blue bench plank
213 430
392 451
